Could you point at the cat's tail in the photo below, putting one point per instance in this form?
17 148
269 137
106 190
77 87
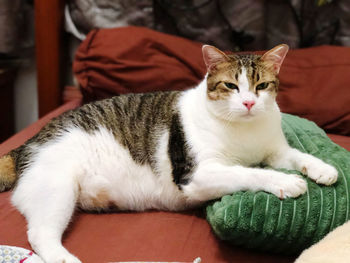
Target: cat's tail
8 176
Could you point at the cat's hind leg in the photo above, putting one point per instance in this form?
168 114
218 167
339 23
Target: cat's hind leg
46 195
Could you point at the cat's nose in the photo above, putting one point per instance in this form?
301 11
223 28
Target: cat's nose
249 104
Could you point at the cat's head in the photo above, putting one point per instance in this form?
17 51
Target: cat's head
242 87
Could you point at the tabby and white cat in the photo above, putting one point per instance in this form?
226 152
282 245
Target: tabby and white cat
165 150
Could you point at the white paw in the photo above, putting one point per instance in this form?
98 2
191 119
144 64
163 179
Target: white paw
287 185
60 256
320 172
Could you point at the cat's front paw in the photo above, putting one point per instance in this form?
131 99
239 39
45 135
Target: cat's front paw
63 258
320 172
287 185
58 255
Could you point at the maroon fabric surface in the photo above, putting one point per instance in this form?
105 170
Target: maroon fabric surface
343 141
315 85
132 59
148 236
314 81
19 138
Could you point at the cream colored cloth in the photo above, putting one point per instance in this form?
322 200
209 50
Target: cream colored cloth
197 260
333 248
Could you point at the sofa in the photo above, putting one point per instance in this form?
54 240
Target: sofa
314 85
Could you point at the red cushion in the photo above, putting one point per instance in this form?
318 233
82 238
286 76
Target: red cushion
132 59
315 82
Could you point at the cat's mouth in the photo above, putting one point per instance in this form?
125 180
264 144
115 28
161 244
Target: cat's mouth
248 115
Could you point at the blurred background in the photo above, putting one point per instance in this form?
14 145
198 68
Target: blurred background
228 24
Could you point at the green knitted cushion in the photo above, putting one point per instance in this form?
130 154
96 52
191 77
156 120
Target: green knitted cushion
261 221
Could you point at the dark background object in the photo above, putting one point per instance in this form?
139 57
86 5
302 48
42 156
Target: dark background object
7 77
16 46
228 24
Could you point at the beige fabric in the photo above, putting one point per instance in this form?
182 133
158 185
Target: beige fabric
334 248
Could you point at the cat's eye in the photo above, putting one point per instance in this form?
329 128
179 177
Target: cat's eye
262 86
231 85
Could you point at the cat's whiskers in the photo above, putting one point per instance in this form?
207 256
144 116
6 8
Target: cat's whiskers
226 115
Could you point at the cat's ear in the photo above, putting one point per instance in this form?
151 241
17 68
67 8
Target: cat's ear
213 56
275 57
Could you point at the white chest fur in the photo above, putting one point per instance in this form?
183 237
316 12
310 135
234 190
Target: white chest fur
244 143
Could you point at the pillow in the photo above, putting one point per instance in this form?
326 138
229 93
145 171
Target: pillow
314 81
132 59
261 221
315 84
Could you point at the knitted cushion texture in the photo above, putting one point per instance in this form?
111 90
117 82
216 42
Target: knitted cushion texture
262 221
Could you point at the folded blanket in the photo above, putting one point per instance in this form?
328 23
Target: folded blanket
261 221
334 248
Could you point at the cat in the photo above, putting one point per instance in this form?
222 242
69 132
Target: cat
164 150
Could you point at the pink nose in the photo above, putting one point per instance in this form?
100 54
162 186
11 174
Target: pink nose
249 104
